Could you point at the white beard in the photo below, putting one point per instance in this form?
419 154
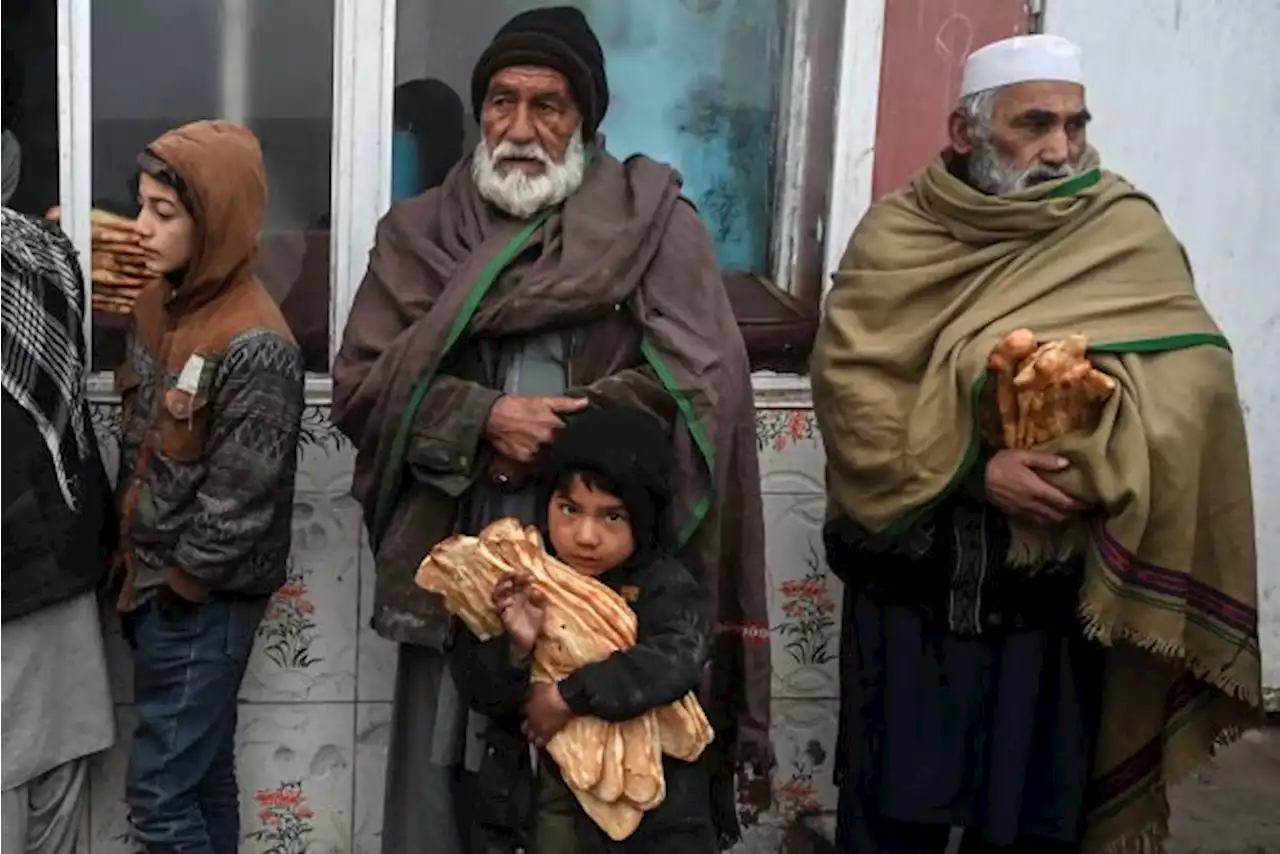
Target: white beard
993 174
522 195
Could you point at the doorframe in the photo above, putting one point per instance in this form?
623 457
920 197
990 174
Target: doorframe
75 137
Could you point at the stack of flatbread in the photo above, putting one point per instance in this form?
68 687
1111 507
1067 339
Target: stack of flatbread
615 770
118 261
1044 391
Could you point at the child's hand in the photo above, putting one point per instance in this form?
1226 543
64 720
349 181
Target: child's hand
522 608
545 713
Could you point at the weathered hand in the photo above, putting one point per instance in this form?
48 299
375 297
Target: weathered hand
522 609
519 425
545 714
1015 486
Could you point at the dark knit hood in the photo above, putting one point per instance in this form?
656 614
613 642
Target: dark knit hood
629 455
556 37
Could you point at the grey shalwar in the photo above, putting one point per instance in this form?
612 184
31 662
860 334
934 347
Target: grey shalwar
425 811
57 713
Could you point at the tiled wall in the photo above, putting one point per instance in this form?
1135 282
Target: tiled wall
316 703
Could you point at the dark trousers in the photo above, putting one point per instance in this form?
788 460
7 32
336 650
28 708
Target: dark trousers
189 661
884 836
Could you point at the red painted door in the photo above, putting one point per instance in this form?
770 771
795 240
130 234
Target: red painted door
925 45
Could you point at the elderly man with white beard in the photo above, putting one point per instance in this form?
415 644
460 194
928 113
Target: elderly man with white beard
1036 639
543 276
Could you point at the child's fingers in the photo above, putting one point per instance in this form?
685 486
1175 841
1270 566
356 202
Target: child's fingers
502 591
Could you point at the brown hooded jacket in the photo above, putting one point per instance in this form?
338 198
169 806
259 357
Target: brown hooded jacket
212 393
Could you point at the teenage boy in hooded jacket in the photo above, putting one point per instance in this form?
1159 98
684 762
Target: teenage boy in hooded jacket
212 393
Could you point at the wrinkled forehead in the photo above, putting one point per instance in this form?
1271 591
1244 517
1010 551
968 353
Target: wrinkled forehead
1060 100
530 81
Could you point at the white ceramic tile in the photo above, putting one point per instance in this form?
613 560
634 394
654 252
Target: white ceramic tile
306 646
376 662
326 458
373 731
804 599
790 449
108 816
804 736
296 766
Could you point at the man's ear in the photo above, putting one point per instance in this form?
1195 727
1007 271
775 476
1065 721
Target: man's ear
960 130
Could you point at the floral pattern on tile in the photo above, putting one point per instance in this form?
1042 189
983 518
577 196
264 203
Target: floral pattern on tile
306 645
283 821
808 630
318 430
288 628
804 736
790 451
804 598
295 761
795 793
778 429
326 458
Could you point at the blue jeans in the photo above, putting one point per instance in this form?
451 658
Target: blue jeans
189 661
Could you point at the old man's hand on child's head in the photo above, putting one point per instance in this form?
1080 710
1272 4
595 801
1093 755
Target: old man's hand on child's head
545 713
522 607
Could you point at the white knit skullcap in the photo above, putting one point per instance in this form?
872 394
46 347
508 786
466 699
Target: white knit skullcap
1021 59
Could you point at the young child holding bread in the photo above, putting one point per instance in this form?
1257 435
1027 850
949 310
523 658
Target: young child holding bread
605 494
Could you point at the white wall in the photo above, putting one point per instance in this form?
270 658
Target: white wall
1186 100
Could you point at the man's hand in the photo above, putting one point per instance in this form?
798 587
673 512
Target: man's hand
522 608
545 714
519 425
1015 486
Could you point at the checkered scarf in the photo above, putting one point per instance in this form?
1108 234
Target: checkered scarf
43 340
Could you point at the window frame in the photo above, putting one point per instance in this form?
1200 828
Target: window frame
825 153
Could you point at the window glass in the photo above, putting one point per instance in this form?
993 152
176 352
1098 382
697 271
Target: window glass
692 83
30 113
268 64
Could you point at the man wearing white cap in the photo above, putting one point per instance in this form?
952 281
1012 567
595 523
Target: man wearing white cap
1038 134
1038 632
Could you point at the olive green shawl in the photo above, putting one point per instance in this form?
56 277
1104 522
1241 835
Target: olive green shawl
933 278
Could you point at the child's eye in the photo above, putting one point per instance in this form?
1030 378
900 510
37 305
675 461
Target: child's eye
567 509
615 518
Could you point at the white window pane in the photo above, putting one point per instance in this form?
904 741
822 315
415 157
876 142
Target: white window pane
268 64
